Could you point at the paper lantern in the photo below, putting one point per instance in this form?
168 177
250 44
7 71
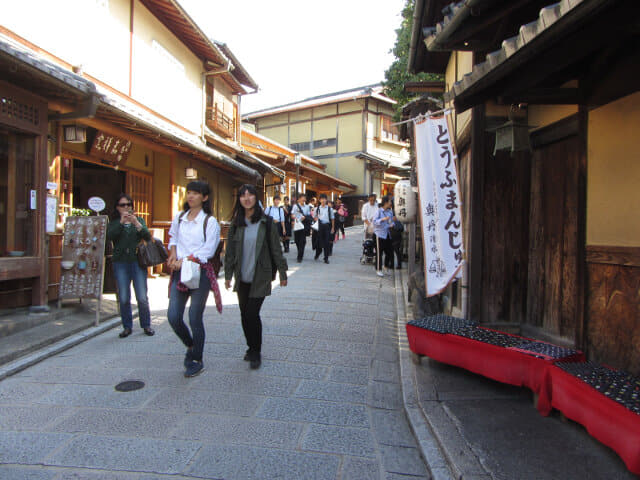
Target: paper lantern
405 202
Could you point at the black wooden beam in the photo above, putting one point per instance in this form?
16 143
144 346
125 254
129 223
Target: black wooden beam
545 96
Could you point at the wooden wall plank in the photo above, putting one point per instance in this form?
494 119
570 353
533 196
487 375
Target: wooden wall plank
613 313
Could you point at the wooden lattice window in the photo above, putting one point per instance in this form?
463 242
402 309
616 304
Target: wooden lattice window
139 188
21 110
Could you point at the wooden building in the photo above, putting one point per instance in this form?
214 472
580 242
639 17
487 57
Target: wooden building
312 175
349 132
134 99
553 246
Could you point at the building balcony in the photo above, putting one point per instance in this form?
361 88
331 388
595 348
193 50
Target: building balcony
220 122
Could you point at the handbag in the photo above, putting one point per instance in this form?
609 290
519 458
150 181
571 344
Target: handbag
315 225
190 274
151 253
297 226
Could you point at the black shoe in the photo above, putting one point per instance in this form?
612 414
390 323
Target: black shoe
125 333
254 362
188 357
316 257
194 368
247 356
149 331
299 260
326 260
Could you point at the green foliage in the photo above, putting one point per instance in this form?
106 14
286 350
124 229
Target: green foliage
397 74
80 212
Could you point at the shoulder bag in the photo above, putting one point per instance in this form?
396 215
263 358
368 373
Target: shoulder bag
151 253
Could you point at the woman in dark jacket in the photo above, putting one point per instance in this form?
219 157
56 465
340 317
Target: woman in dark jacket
250 257
126 230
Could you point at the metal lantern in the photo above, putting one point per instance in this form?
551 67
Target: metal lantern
512 137
190 173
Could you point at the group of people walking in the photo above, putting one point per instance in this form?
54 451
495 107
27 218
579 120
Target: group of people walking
253 253
252 259
382 226
319 219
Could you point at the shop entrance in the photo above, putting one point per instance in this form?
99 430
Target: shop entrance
91 180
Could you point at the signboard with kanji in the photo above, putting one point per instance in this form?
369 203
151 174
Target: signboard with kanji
110 148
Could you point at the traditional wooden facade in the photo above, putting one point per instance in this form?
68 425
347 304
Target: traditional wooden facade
97 109
552 236
312 176
351 133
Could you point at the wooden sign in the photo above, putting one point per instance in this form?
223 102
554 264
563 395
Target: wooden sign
83 258
110 148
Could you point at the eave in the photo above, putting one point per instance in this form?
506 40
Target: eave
551 50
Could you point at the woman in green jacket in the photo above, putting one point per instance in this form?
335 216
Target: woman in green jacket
250 257
125 230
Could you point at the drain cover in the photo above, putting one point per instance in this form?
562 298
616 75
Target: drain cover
129 385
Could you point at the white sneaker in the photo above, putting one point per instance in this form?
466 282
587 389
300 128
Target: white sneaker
379 273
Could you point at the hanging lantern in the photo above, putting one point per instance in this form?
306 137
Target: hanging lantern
405 202
512 137
190 173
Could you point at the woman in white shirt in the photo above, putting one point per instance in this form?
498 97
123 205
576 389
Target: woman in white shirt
194 235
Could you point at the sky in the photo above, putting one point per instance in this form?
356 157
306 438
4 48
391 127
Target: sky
295 49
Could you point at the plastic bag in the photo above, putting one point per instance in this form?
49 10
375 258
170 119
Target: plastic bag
190 274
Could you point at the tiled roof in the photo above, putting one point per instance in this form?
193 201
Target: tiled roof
354 93
66 77
511 46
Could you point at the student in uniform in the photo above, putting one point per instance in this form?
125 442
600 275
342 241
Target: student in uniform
301 214
277 213
326 227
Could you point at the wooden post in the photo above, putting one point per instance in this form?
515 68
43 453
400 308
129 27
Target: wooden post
411 263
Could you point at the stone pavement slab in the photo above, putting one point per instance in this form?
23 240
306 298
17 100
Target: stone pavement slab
326 403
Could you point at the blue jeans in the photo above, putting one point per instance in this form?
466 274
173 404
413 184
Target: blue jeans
177 302
125 273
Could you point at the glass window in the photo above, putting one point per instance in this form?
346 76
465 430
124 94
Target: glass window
17 156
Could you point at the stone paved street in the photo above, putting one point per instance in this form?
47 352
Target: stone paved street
326 403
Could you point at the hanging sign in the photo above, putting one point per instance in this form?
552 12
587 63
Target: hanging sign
112 149
439 203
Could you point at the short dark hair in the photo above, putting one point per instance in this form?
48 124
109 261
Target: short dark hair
276 197
384 200
322 195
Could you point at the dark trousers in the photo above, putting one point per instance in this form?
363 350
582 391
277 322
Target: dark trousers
324 240
383 246
250 315
177 302
314 239
339 227
301 240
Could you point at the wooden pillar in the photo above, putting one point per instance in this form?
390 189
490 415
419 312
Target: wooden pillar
475 248
581 334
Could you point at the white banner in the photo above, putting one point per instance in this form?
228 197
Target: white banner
439 204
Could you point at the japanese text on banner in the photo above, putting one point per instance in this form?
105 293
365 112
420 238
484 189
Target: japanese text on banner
439 204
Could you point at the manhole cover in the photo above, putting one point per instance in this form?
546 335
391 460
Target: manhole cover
129 385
